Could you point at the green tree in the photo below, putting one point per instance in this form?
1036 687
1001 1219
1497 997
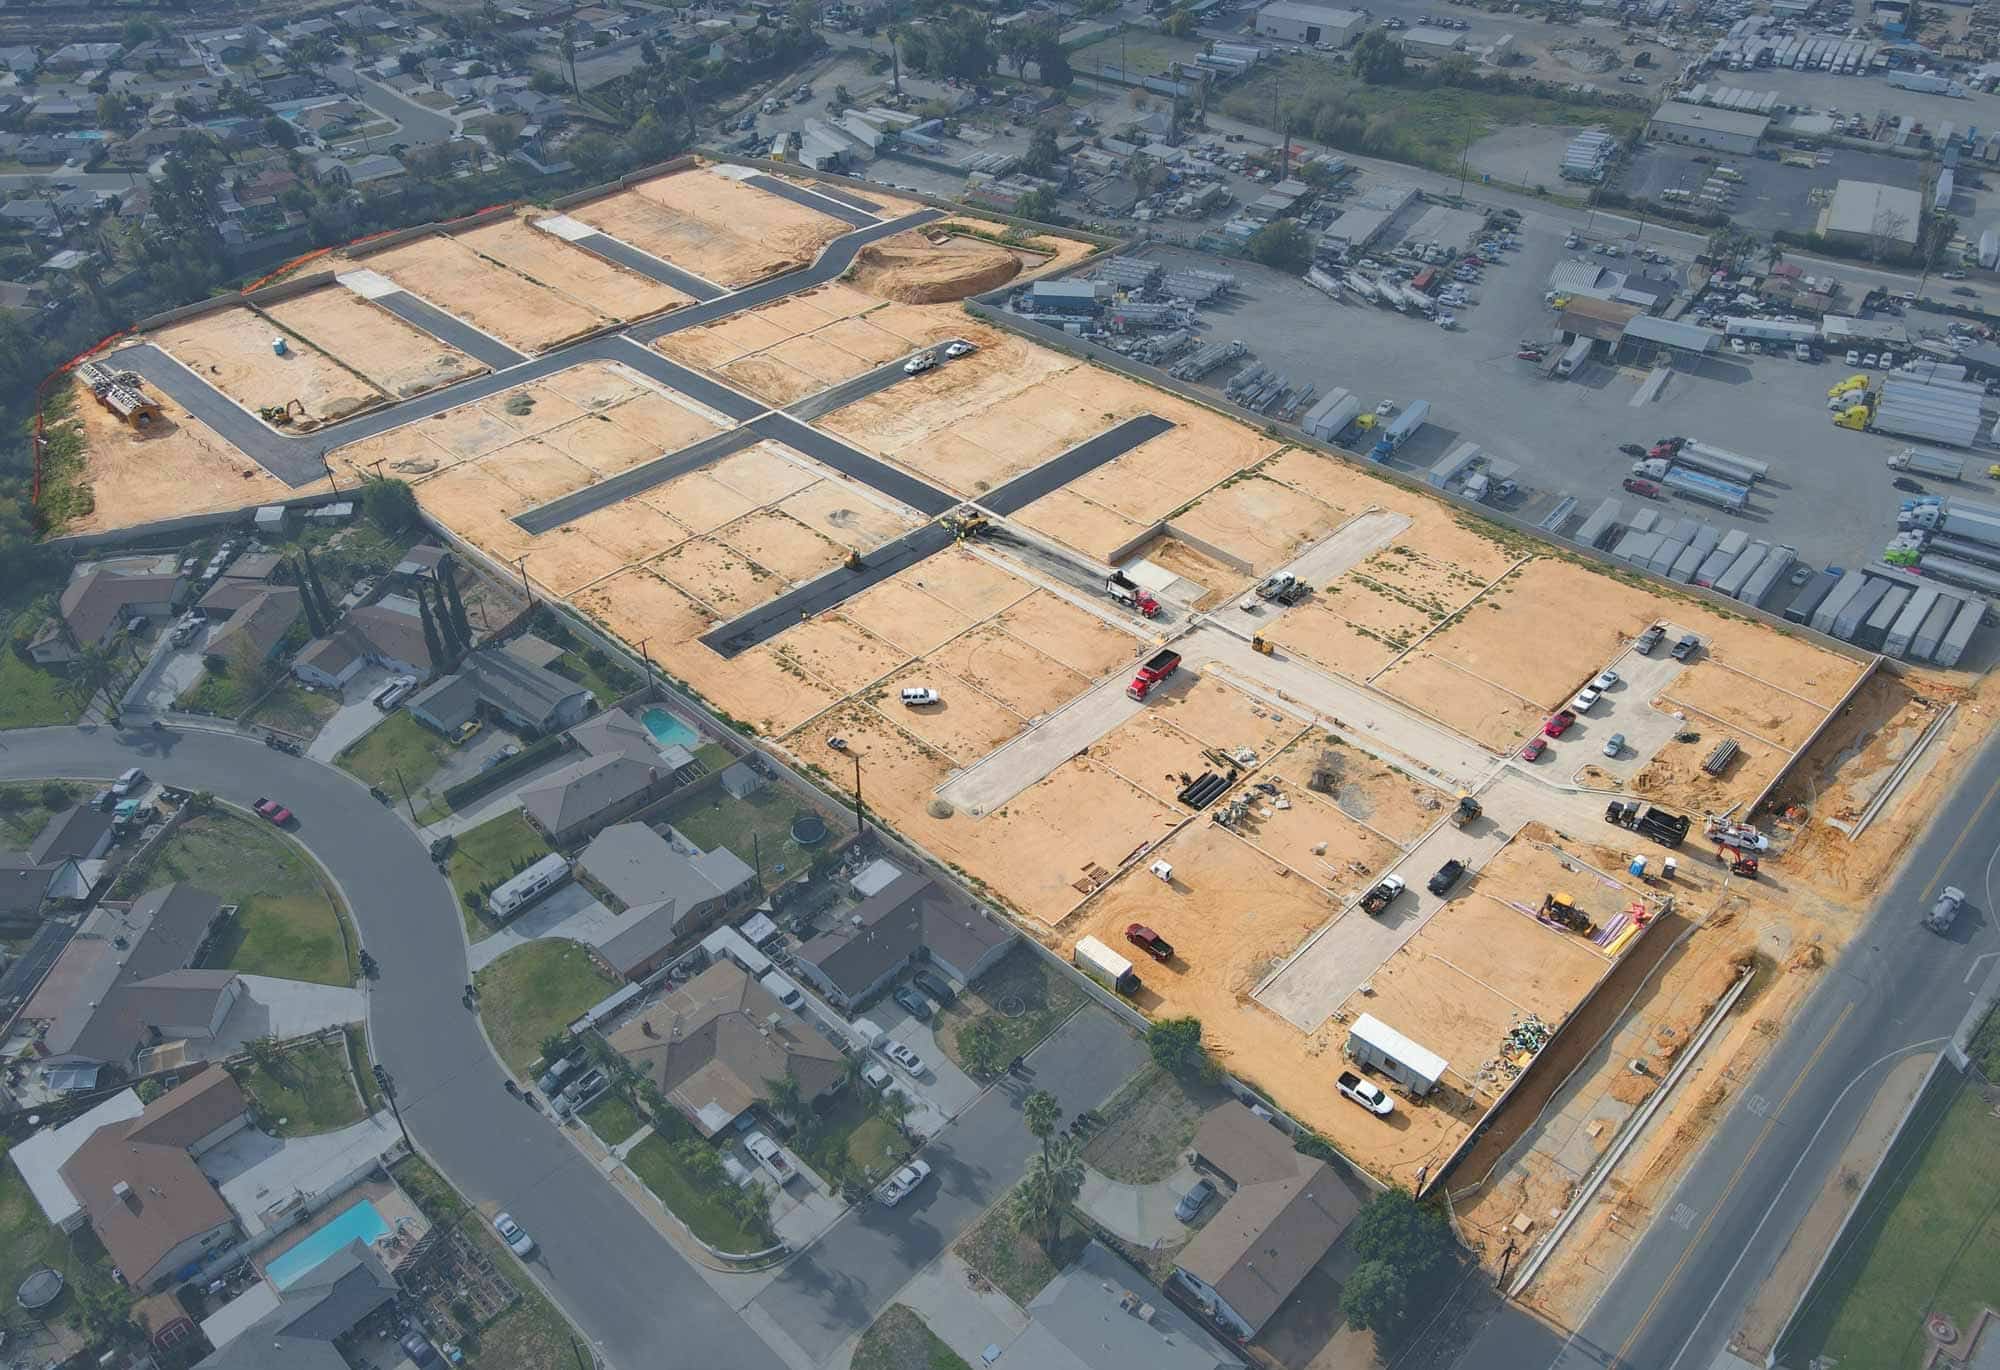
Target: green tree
1040 158
1379 58
103 1311
310 583
1039 206
980 1047
1283 244
391 504
894 1107
594 154
1043 1112
278 132
1179 23
650 139
786 1100
1054 1179
135 32
95 669
433 641
408 62
1176 1047
311 605
454 606
1413 1237
1375 1297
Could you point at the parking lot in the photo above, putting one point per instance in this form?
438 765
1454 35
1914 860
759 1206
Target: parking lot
1772 195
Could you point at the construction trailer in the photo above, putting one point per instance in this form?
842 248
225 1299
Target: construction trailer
1375 1045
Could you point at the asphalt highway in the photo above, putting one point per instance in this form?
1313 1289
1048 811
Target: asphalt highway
631 1292
1898 989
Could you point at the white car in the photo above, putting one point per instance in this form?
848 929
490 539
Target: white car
876 1075
903 1183
1584 700
1385 409
902 1056
913 695
1370 1096
920 363
516 1236
1605 680
960 349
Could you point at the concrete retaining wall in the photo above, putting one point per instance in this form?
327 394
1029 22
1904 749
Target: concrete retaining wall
625 182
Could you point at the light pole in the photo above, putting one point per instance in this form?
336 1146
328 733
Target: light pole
387 1085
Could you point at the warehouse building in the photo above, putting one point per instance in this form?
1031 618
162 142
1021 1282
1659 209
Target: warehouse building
1422 40
1725 130
1865 213
1289 23
1075 298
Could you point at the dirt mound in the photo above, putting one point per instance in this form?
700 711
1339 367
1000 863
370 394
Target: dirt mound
912 269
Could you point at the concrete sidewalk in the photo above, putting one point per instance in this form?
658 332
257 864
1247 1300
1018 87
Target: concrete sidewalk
285 1008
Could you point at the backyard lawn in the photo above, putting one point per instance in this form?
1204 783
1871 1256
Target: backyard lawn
851 1139
1013 1260
534 990
222 694
28 1243
607 682
900 1340
305 1090
292 708
287 925
1932 1244
1025 995
612 1118
398 751
30 696
756 827
486 856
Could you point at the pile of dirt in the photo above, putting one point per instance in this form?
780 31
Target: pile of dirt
913 269
1633 1089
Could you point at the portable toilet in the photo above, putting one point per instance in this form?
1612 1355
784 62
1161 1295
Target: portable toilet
1638 867
278 345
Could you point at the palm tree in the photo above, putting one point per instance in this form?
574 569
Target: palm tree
94 669
1054 1180
1042 1112
783 1098
895 1107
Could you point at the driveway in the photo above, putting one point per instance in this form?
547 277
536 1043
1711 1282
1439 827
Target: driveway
271 1007
569 912
832 1292
171 676
944 1090
353 718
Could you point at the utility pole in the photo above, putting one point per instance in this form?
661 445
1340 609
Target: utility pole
521 565
332 479
387 1085
860 823
408 802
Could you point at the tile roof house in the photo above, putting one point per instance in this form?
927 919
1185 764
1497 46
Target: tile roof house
869 946
258 627
306 1318
711 1044
516 689
79 833
138 1183
95 605
385 633
125 981
1103 1314
669 889
616 733
24 892
573 802
1287 1211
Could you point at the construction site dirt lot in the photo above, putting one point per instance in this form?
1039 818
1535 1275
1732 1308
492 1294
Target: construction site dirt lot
233 350
713 226
1257 518
964 724
1744 704
400 360
1436 685
1317 632
925 266
174 466
1399 807
839 654
448 274
1025 679
589 280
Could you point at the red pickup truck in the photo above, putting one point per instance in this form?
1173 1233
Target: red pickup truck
1157 668
1150 942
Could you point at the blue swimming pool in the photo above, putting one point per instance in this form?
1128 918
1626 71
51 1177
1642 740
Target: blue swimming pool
669 731
360 1221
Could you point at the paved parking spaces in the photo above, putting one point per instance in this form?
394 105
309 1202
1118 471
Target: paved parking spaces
1627 708
943 1091
355 716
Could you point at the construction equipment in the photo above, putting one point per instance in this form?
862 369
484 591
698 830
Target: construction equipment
1157 668
854 562
1260 646
1561 909
278 415
1739 863
1327 771
966 522
1283 588
1465 810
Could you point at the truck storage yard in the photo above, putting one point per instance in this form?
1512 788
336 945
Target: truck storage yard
1341 677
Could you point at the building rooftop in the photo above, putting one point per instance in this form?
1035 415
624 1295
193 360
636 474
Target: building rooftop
96 600
581 790
651 875
1867 209
886 928
261 621
1103 1314
298 1327
1680 114
71 833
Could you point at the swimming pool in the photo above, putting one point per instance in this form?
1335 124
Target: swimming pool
669 731
360 1221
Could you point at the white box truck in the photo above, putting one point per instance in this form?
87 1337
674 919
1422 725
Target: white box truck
1105 966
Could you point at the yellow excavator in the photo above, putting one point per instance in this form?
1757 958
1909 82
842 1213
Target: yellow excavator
280 415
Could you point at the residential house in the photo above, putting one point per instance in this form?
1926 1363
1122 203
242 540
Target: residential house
138 1184
1103 1314
125 981
359 172
420 562
1287 1211
20 60
616 733
94 605
291 86
299 1327
242 581
669 888
35 215
509 685
910 918
389 633
79 833
77 56
24 893
258 628
711 1044
571 803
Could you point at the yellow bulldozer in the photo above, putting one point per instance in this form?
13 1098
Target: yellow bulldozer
966 522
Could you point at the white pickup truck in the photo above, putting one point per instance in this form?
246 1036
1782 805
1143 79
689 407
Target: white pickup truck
772 1157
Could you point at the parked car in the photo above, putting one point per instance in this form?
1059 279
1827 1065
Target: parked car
517 1238
467 732
958 349
1614 745
1447 876
128 782
1558 723
1194 1200
1649 641
1366 1093
935 985
1606 678
1637 485
418 1348
913 1003
903 1183
876 1075
1534 748
915 695
271 809
1690 644
1585 699
902 1056
920 363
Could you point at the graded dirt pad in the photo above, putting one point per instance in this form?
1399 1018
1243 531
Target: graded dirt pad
1810 671
454 278
767 378
1327 479
441 440
629 530
899 612
1196 567
849 516
964 724
925 267
176 465
1219 715
1026 680
1439 588
1069 518
533 470
1042 253
231 349
698 501
1541 632
1675 778
1081 641
1259 520
1435 685
780 543
766 472
894 421
399 359
1316 631
718 576
972 585
719 229
1318 841
597 385
530 410
1152 754
1741 703
1375 608
1161 474
589 280
1397 806
838 653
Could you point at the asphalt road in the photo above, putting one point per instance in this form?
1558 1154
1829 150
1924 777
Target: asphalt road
841 209
867 383
1897 989
836 1289
631 1292
646 264
573 506
1080 460
420 126
461 335
835 587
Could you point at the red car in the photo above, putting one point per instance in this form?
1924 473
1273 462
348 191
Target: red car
1642 487
1558 723
1533 751
273 810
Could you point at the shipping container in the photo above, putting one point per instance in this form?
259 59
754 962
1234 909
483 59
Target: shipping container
1855 612
1808 599
1730 582
1766 578
1374 1044
1837 599
1959 637
1904 630
1875 628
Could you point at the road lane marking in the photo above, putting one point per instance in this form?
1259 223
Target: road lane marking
1694 1242
1978 961
1958 842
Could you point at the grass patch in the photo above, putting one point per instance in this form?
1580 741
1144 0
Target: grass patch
612 1118
596 672
1013 1260
31 697
1986 1046
1931 1241
304 1089
1025 995
292 708
535 990
756 828
714 755
26 809
531 1335
28 1243
364 1075
900 1340
662 1162
398 745
851 1139
487 856
286 925
1148 1124
222 694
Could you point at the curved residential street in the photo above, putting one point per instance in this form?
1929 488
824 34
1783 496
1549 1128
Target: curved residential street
632 1293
